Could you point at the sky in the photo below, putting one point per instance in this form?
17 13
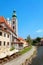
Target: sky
29 16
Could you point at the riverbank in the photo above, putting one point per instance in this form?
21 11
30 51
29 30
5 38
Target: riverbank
25 50
36 58
29 60
15 55
21 59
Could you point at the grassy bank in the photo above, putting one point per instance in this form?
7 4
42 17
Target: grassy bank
25 50
28 61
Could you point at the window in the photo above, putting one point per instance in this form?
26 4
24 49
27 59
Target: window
0 43
21 44
7 43
13 27
4 34
5 28
0 33
4 43
13 22
8 36
0 26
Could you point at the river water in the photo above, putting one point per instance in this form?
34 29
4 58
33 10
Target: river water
38 59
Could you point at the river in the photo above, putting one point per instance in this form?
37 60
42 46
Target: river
38 59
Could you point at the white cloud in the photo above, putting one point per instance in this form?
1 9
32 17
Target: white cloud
39 31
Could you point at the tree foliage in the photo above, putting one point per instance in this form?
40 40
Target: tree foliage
29 40
33 41
36 41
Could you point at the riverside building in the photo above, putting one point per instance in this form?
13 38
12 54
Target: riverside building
8 32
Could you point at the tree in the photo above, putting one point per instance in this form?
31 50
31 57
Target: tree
29 40
34 42
38 39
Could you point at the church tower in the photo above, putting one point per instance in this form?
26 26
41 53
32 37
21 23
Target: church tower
14 23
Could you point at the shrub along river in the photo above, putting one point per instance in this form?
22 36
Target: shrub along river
38 59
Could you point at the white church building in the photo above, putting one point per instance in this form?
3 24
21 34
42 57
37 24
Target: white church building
8 32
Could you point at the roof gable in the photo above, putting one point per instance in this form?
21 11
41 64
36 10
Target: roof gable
3 20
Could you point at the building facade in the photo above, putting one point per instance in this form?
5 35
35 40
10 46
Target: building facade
8 33
20 44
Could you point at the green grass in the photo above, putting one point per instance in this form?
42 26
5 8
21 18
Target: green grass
25 50
12 48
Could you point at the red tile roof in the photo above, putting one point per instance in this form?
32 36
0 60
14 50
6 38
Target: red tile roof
2 28
20 38
3 20
18 43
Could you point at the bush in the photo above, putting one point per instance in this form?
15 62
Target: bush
12 48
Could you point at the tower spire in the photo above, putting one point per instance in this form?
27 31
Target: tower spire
14 13
14 22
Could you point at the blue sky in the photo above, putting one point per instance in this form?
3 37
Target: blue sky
29 14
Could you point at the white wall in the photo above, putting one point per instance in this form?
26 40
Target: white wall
16 46
6 39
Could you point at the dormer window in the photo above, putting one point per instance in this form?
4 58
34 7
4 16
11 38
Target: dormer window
0 26
5 28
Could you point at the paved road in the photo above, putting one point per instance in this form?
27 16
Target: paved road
22 58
